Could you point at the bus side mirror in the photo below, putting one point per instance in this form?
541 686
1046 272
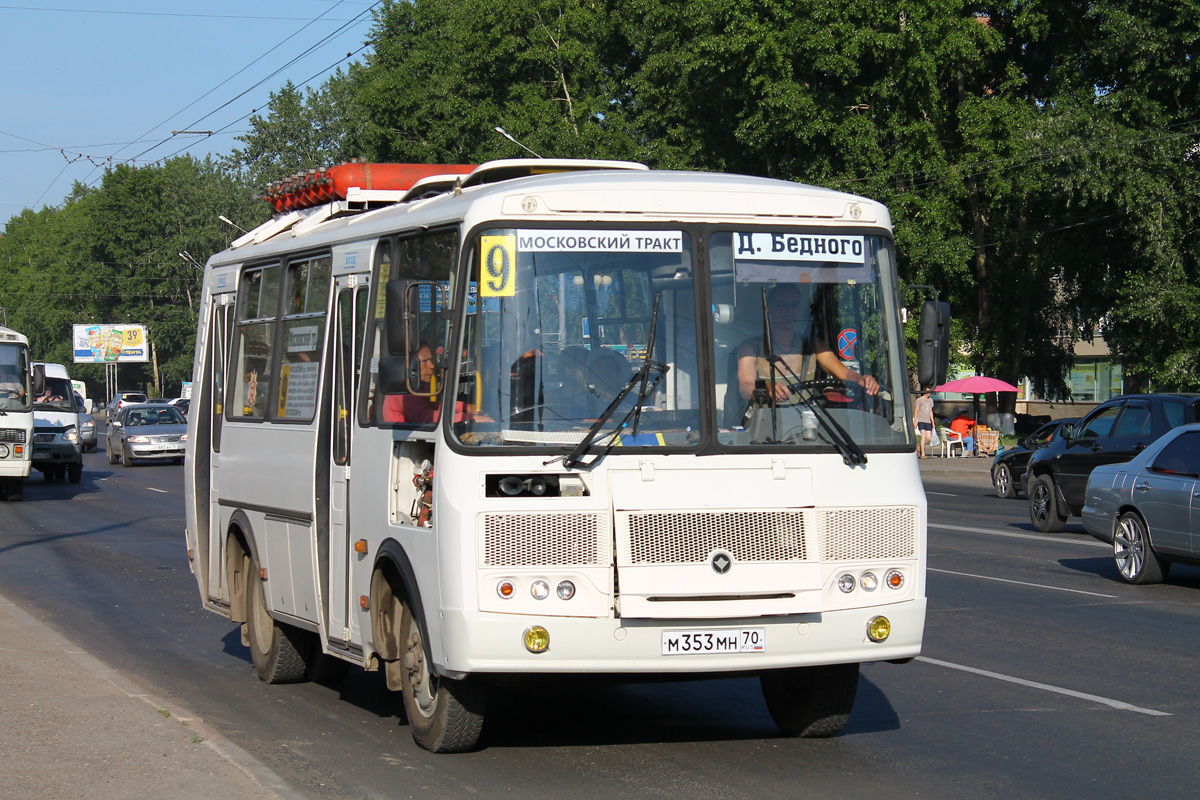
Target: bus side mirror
933 344
39 379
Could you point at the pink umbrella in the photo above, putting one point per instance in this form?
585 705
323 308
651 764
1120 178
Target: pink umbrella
976 384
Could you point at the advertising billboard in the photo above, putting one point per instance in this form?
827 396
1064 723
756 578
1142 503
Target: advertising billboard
109 344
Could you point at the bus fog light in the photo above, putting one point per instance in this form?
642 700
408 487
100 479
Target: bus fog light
506 589
894 579
537 639
540 590
868 582
879 629
846 583
566 590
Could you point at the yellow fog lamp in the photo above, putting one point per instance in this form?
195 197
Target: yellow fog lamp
879 629
537 639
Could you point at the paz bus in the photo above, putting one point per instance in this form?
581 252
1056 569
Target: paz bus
532 419
17 391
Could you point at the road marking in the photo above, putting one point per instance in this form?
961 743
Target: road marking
1021 583
160 491
942 494
1088 542
1117 704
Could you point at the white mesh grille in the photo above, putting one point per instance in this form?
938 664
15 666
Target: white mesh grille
689 537
852 534
530 540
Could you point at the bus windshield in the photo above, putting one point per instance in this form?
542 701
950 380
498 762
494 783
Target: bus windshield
14 378
802 341
559 325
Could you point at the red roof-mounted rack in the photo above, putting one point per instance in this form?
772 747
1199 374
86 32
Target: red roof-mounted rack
317 186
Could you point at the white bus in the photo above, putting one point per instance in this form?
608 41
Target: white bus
543 418
17 392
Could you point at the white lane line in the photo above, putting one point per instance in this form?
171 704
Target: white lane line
160 491
1088 542
1117 704
1021 583
942 494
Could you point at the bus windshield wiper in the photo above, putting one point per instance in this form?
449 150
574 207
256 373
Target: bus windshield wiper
646 387
852 452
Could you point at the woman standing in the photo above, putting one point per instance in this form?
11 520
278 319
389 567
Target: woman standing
923 414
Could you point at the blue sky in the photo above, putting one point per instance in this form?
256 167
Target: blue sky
87 84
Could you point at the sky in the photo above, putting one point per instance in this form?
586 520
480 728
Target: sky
89 84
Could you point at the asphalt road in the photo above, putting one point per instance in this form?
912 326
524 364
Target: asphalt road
1042 674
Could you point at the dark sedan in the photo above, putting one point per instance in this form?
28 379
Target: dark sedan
1008 468
1146 508
152 432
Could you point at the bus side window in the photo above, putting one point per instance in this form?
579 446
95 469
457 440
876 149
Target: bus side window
258 308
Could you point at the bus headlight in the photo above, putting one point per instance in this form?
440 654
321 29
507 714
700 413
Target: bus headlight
537 639
846 583
879 629
540 590
3 451
566 590
868 582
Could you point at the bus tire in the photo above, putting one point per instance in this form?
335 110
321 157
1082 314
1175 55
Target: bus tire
812 702
277 650
444 715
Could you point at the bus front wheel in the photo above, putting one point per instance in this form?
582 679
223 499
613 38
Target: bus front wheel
277 650
813 702
444 715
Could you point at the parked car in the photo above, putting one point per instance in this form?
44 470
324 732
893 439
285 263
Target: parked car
183 404
87 425
1115 431
154 432
122 399
1008 467
1145 508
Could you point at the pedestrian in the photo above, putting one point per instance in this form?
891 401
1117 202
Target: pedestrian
923 415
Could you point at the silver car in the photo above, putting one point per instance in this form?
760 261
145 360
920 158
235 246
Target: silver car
87 426
1146 508
155 432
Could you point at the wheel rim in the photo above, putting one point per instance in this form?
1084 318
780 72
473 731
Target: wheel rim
1040 502
1003 481
423 685
1129 548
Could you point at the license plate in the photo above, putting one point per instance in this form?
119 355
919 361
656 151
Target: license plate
159 448
725 640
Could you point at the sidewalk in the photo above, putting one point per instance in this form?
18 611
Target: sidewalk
72 727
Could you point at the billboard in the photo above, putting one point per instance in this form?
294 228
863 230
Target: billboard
108 344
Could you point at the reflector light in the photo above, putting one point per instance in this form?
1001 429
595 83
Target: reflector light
879 629
894 579
364 602
506 589
537 639
317 186
361 546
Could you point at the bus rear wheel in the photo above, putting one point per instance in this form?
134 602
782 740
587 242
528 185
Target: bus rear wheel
444 715
812 702
278 651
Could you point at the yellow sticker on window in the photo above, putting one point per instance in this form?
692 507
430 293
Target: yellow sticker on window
497 266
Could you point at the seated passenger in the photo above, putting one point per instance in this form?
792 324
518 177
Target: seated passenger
414 409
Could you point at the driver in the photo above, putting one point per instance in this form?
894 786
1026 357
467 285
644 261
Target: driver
793 342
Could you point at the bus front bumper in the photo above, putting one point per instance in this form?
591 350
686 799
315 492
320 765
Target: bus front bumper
495 643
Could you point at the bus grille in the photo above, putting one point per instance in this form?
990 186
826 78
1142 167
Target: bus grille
550 539
12 435
690 537
830 534
852 534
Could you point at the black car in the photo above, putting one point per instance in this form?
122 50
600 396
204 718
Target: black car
1008 467
1115 431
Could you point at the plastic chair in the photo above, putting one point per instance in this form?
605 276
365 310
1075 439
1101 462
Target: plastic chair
950 439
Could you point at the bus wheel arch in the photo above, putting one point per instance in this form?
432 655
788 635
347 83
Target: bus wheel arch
444 715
